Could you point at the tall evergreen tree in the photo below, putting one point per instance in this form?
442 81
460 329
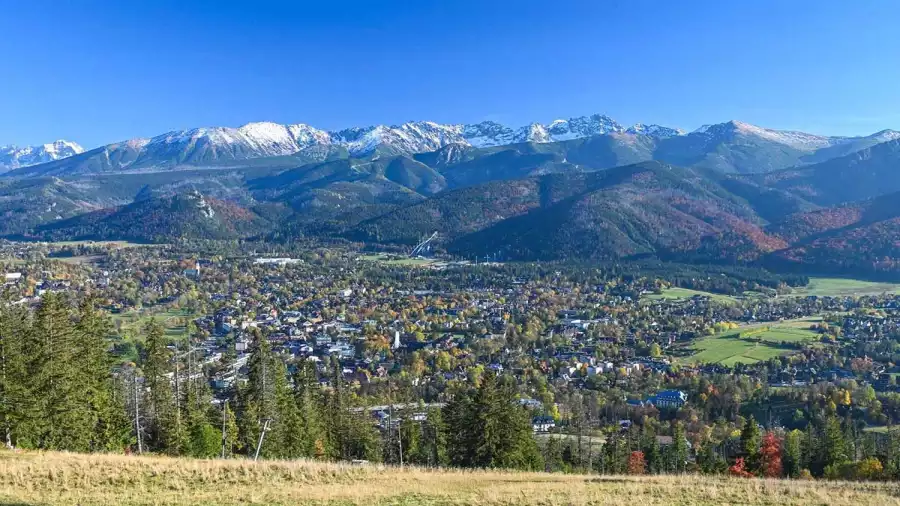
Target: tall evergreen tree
231 439
161 423
434 440
792 453
59 397
834 449
750 441
309 402
259 402
109 428
492 429
679 448
15 325
288 437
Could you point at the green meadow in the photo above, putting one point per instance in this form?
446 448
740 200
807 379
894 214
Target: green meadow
751 344
838 287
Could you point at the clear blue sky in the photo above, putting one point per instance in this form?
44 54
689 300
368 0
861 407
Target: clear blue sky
100 71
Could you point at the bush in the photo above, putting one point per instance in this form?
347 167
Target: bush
739 469
636 463
868 469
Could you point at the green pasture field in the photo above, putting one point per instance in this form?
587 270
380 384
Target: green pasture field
729 348
838 287
687 293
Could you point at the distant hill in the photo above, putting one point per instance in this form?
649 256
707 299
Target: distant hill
638 210
864 174
161 219
28 203
860 238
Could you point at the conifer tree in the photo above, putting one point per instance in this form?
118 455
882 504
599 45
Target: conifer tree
287 436
15 326
679 447
834 450
109 428
654 456
162 428
309 402
231 439
750 440
203 438
59 396
258 402
792 457
336 426
491 429
434 443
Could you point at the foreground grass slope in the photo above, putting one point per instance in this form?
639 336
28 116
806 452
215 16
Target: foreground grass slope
54 478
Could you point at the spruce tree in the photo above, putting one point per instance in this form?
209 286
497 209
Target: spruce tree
435 439
834 449
309 402
15 325
792 453
490 429
750 440
288 438
258 402
60 398
679 448
462 433
336 424
203 437
109 428
231 439
164 433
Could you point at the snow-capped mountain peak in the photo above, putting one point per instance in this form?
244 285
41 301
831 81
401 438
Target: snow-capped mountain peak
656 131
798 140
13 157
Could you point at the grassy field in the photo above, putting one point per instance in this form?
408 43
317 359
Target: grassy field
882 429
68 479
172 320
397 260
687 293
110 244
837 287
729 348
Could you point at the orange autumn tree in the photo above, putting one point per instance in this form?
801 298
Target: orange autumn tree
740 469
636 463
770 456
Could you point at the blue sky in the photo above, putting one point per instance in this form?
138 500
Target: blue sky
98 71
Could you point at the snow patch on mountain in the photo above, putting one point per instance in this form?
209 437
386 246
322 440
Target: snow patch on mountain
797 140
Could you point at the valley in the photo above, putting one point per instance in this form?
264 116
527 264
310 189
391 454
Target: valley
449 253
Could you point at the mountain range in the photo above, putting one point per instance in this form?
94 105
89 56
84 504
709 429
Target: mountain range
583 188
13 157
731 147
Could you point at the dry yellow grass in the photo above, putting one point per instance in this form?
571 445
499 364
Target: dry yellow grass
56 478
